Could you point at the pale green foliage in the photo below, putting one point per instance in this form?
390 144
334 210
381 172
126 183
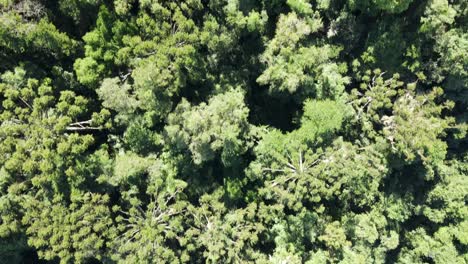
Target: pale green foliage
224 236
451 46
319 121
221 38
73 233
415 127
41 159
129 165
438 247
320 118
207 130
307 13
293 65
447 199
290 30
318 257
334 236
301 6
145 234
290 233
116 96
437 16
9 206
374 97
364 230
157 79
28 9
293 169
6 3
337 172
122 7
283 256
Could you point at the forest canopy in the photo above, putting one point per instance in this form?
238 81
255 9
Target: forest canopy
233 131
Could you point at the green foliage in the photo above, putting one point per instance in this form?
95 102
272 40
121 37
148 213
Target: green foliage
207 130
445 202
41 39
100 49
439 247
77 9
73 233
233 131
146 235
415 127
116 96
222 235
374 6
437 15
292 65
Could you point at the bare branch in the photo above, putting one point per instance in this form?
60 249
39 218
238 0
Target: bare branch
82 126
26 103
123 77
81 123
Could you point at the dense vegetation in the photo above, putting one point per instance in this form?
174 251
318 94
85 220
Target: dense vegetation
233 131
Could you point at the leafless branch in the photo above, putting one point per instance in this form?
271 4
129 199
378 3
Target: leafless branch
82 126
123 77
